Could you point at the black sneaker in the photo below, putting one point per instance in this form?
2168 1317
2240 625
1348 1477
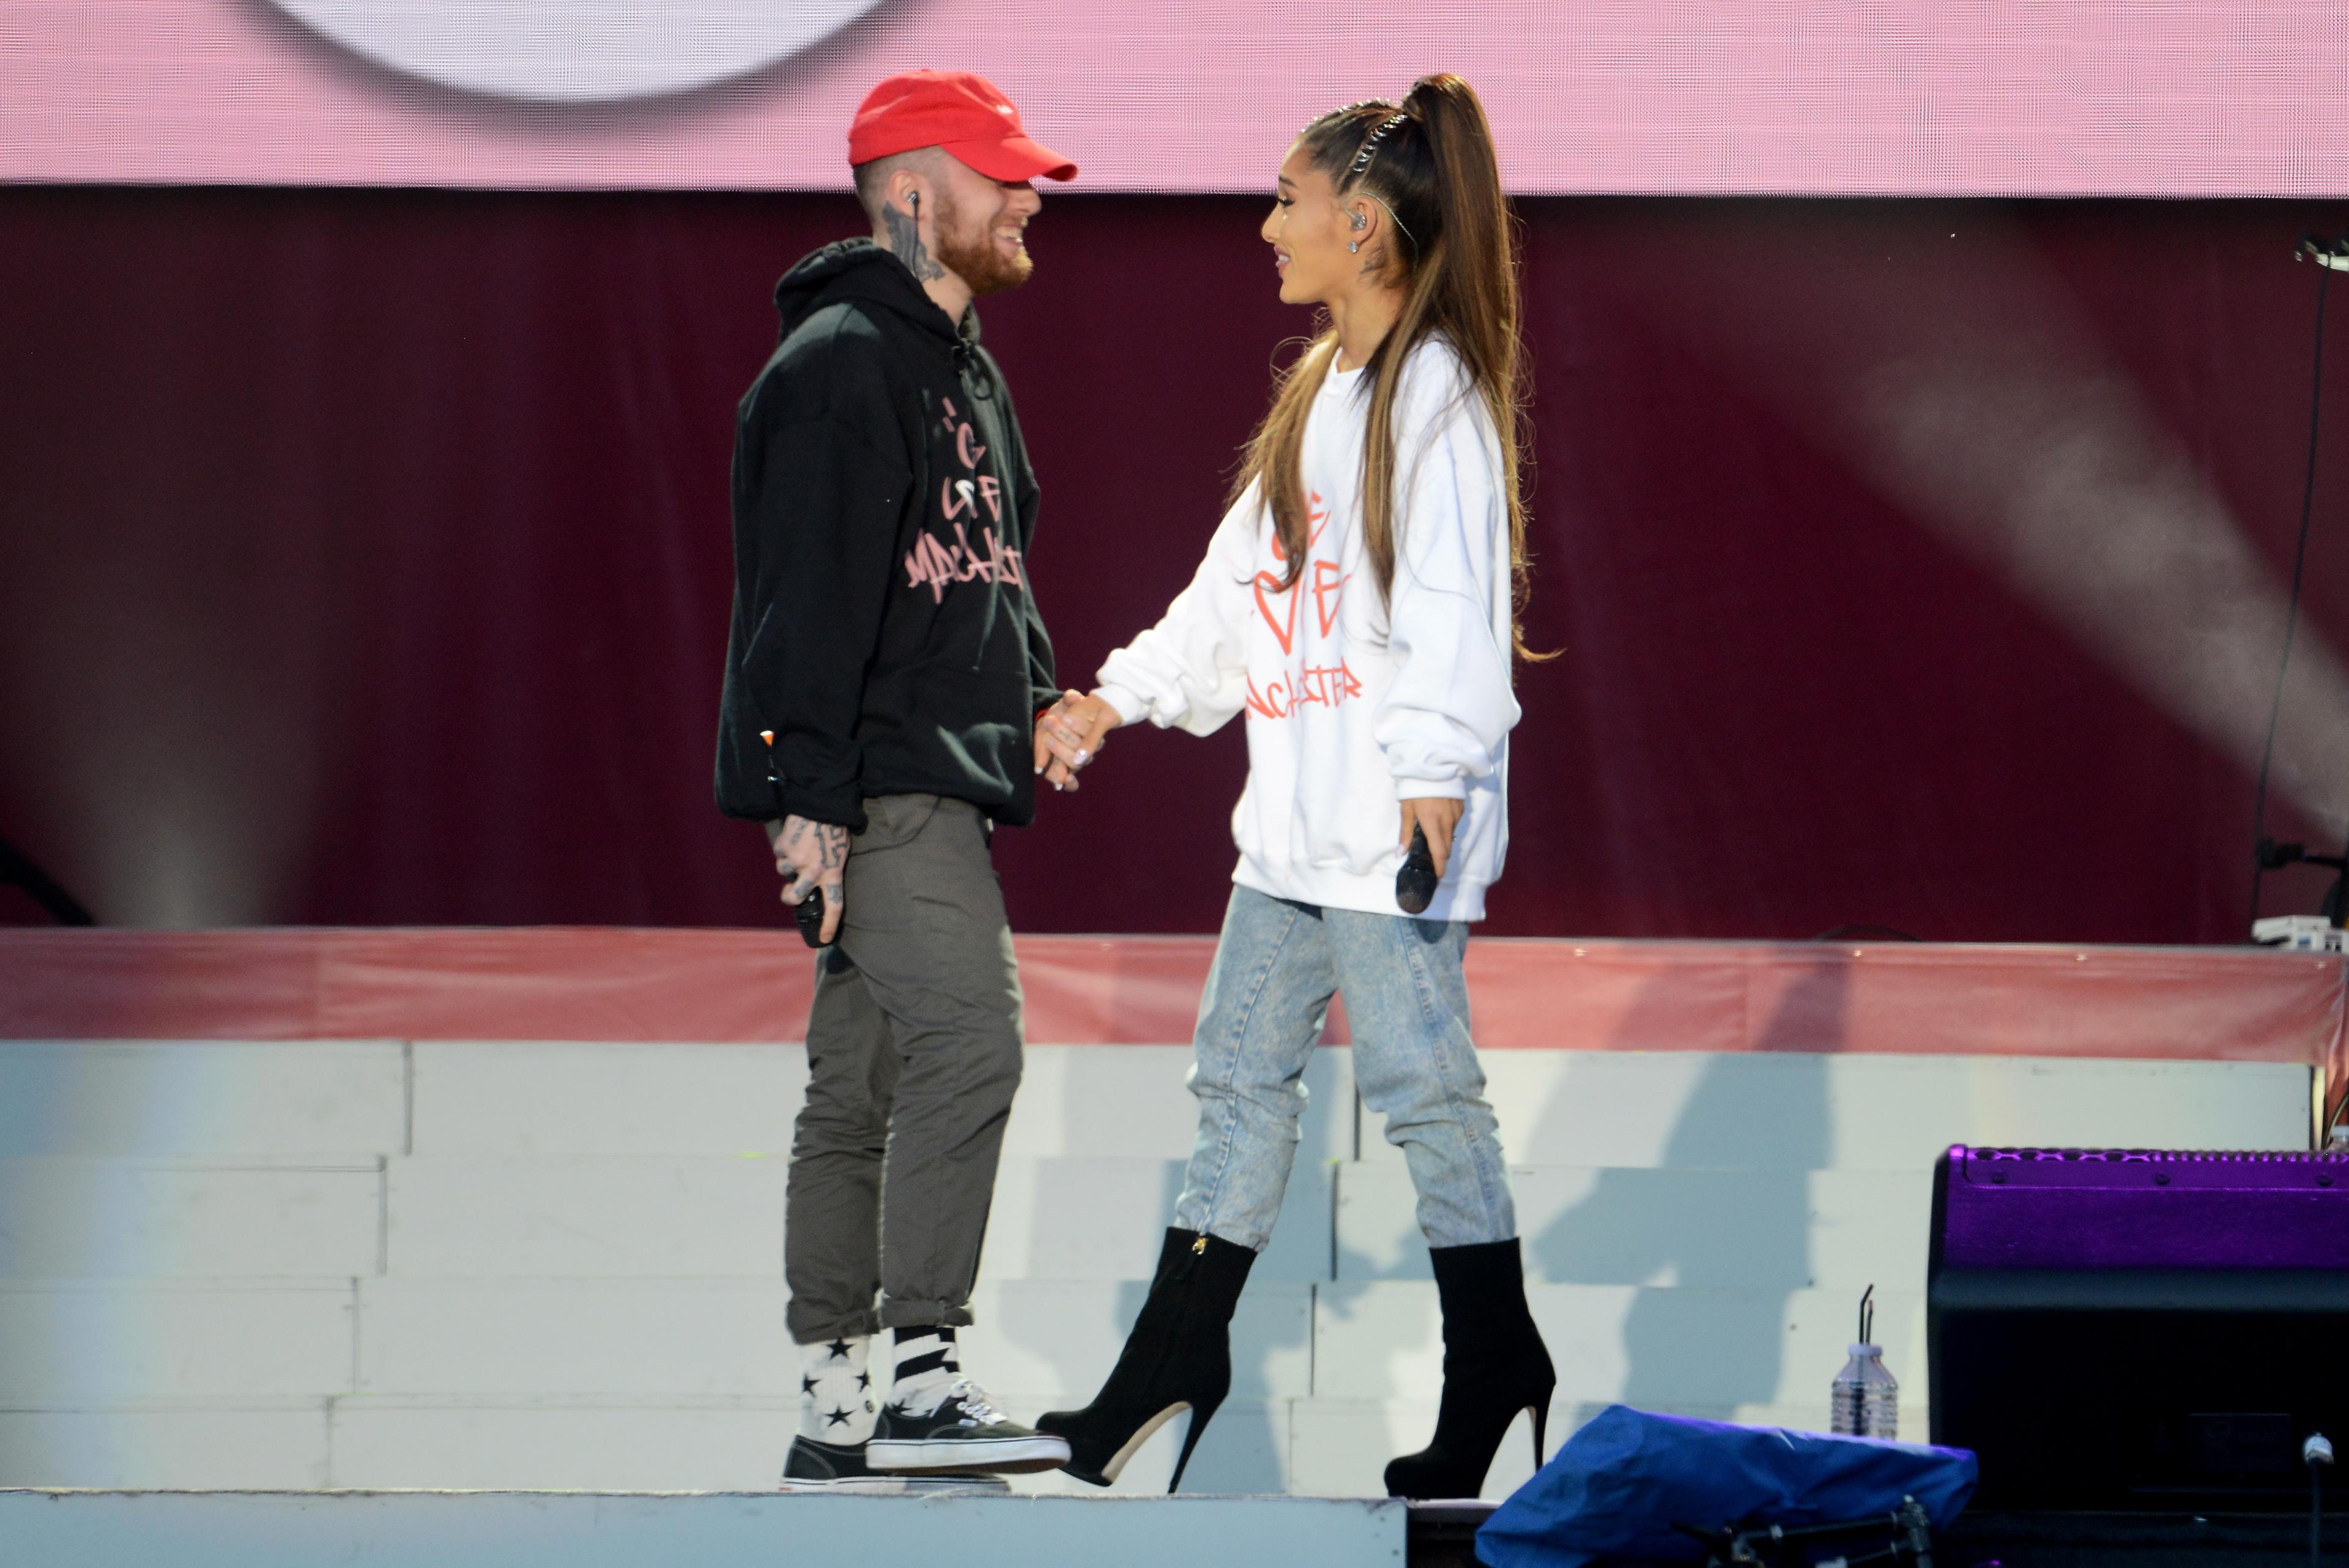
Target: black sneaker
966 1432
814 1466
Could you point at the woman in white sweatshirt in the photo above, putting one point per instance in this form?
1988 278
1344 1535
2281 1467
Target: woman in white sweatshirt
1358 604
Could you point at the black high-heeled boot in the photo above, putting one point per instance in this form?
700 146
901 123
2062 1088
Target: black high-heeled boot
1493 1366
1178 1357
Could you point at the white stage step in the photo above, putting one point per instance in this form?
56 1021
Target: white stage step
1794 1111
1631 1109
1621 1226
366 1264
709 1530
119 1341
177 1217
561 1216
1036 1340
202 1098
505 1098
1329 1447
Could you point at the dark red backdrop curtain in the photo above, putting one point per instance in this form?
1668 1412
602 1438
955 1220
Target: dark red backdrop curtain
363 558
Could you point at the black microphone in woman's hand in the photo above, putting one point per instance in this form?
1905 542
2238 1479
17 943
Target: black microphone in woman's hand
1415 878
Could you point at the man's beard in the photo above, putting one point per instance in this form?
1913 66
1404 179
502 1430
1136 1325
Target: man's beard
970 254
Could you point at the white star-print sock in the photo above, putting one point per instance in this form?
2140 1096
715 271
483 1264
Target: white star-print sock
835 1391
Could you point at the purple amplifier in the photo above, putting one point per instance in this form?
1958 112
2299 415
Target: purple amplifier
2138 1329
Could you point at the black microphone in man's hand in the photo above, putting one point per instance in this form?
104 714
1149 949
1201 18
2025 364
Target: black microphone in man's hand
809 911
1415 878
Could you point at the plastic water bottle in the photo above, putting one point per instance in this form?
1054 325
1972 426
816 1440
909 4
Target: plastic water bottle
1865 1400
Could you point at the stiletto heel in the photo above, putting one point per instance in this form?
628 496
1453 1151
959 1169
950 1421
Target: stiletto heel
1178 1357
1493 1366
1200 1415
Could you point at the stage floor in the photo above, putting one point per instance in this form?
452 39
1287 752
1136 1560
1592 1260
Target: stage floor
75 1529
708 1530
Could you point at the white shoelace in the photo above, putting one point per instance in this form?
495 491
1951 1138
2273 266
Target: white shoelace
977 1408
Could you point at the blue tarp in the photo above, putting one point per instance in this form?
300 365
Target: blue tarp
1614 1491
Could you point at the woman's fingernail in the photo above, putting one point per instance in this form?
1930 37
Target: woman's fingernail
1083 757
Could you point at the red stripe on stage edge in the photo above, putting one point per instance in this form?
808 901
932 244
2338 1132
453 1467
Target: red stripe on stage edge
600 983
719 986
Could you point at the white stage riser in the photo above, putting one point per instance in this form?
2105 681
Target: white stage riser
506 1530
566 1216
1040 1341
556 1265
1323 1448
1777 1111
706 1216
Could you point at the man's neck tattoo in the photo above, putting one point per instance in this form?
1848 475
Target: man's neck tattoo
906 244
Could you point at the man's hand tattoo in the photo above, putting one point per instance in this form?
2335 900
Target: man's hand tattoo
906 244
827 840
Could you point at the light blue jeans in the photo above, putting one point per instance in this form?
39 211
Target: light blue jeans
1277 965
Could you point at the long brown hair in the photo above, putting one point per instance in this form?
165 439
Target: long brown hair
1451 249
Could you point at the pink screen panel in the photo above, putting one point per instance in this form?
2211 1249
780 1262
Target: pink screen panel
1961 97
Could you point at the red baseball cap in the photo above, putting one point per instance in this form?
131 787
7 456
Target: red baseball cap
959 110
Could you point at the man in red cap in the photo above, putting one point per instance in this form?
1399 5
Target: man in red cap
883 671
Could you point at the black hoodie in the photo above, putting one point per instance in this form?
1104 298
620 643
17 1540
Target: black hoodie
882 506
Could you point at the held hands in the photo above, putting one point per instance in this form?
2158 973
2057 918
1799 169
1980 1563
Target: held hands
1437 816
1070 735
808 856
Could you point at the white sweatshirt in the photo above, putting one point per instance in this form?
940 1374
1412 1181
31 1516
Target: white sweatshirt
1354 706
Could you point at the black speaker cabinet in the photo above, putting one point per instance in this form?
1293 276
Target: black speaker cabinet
2137 1330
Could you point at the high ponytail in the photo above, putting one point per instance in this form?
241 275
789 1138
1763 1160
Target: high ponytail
1450 246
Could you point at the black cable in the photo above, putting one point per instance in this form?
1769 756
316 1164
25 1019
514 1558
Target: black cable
2291 615
2316 1453
17 870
